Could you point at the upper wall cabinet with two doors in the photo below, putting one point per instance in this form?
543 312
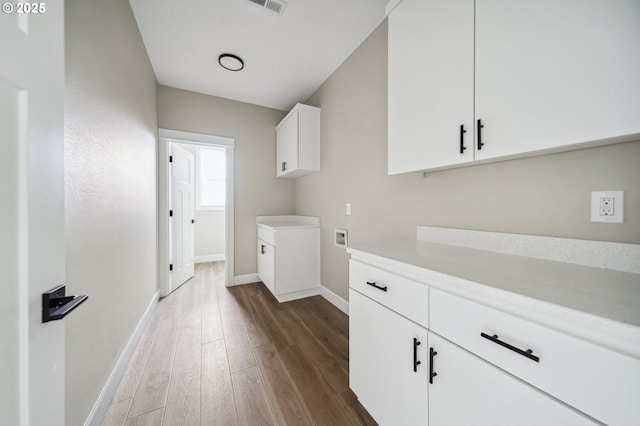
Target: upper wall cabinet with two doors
493 79
298 142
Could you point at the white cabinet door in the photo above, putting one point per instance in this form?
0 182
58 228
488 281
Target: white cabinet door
287 145
470 391
267 264
298 142
381 363
430 84
551 74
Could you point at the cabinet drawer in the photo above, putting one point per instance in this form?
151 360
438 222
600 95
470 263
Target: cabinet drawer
599 382
267 236
404 296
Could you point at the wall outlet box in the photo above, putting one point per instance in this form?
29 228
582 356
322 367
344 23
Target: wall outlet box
341 238
607 206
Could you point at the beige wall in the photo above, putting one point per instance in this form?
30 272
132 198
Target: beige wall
257 191
546 195
110 184
209 233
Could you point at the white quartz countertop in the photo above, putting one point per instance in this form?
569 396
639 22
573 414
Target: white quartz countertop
273 226
274 223
600 304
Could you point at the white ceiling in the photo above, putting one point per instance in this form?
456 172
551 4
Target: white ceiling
286 57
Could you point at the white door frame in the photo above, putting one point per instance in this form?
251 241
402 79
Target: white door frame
165 136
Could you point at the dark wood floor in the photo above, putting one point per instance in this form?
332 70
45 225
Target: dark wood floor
213 355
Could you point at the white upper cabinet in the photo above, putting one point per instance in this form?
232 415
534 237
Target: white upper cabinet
542 77
430 84
551 74
298 142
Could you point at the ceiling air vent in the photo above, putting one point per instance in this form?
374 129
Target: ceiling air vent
274 6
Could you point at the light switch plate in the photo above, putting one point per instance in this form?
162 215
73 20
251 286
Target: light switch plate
607 206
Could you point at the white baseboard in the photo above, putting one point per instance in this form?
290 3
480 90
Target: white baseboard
208 258
334 299
246 279
96 416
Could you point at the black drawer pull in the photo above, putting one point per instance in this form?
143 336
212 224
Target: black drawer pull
284 166
462 132
416 363
262 249
432 374
528 353
373 284
480 127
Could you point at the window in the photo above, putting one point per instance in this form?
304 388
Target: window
211 171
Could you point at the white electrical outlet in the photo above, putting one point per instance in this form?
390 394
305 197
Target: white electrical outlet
607 206
348 209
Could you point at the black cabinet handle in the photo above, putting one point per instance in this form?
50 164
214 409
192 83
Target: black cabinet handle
373 284
284 166
416 363
528 353
462 132
432 374
262 249
480 127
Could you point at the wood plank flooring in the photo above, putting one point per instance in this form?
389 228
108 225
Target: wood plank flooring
213 355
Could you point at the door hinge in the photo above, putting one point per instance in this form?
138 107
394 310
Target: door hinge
171 158
171 267
170 212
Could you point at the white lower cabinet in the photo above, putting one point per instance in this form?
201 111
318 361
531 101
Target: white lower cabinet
467 390
388 365
420 356
288 254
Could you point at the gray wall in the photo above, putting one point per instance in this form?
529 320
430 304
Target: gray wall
257 190
110 184
546 195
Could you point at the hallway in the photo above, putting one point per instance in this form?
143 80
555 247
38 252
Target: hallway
213 355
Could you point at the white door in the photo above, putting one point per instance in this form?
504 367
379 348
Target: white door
181 206
32 369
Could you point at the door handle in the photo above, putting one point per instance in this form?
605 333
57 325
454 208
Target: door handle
57 305
416 363
284 166
480 127
262 249
462 132
432 374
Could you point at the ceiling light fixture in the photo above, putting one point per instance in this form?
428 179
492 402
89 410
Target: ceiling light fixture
230 62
